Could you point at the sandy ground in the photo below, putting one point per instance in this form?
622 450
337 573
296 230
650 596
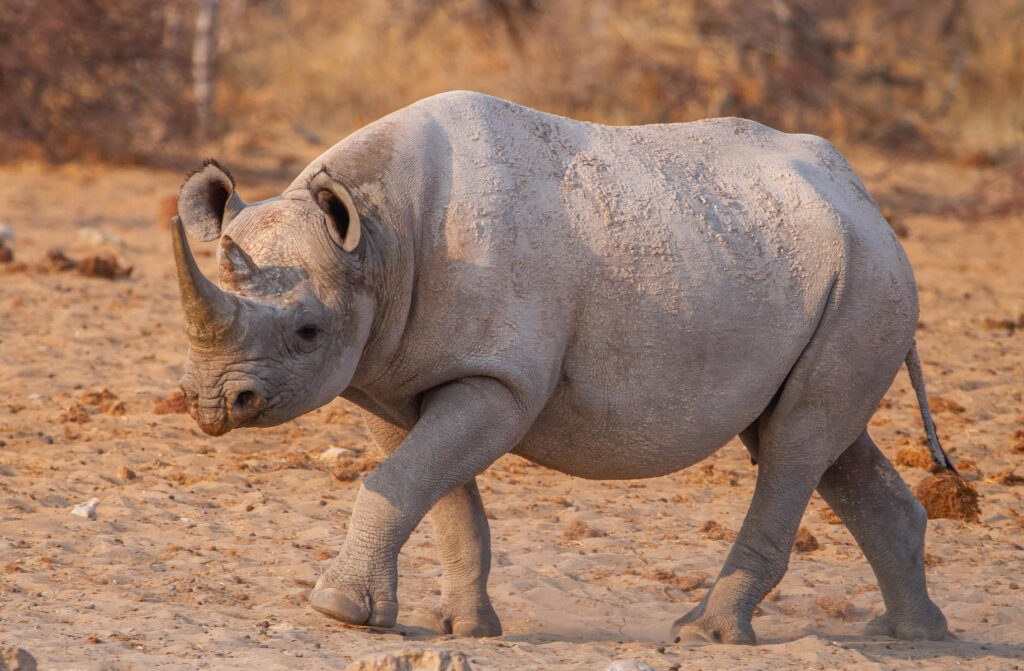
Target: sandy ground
204 549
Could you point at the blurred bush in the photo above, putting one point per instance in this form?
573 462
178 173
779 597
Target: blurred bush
92 78
105 79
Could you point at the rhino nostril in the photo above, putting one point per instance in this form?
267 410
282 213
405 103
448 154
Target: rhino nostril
246 404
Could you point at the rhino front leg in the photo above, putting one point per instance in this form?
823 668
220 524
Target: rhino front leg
463 540
464 427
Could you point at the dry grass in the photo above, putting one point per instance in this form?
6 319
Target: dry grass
904 74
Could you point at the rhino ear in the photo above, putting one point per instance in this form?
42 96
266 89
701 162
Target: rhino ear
207 201
336 202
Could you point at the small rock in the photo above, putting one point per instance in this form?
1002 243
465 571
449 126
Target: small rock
414 659
16 659
98 237
86 510
334 453
6 234
36 396
629 665
126 473
6 255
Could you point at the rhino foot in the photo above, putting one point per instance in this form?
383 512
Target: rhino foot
931 626
346 605
699 626
478 622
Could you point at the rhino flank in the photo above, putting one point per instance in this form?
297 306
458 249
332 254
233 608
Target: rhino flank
612 302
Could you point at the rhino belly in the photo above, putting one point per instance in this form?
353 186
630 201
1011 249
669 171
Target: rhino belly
634 433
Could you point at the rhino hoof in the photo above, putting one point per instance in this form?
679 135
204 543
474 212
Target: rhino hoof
333 602
704 629
931 627
485 626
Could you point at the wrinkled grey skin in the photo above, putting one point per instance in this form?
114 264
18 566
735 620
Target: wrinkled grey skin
482 278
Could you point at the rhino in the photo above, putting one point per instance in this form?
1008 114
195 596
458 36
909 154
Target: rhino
481 278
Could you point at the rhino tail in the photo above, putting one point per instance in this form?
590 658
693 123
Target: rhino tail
939 455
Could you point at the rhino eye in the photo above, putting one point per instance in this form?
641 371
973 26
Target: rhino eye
309 332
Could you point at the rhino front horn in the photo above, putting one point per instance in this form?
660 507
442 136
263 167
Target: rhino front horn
210 313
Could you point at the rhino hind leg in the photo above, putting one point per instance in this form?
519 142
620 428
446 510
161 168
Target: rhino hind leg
462 537
759 557
888 524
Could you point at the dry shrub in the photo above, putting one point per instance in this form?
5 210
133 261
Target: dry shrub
836 607
914 457
948 496
805 541
715 531
580 529
96 79
687 583
173 404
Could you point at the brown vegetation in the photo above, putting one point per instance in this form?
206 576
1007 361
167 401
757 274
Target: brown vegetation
116 81
947 495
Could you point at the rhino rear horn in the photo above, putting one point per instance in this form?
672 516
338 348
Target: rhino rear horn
210 314
336 202
237 268
207 201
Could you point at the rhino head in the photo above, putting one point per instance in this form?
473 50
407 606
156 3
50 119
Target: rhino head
282 335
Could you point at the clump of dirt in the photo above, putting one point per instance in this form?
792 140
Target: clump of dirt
1018 442
348 470
805 541
948 496
580 529
829 516
58 261
173 404
1007 476
687 583
106 401
1011 325
103 265
836 607
942 404
6 255
715 531
76 413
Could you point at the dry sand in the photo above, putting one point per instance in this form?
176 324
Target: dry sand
204 549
